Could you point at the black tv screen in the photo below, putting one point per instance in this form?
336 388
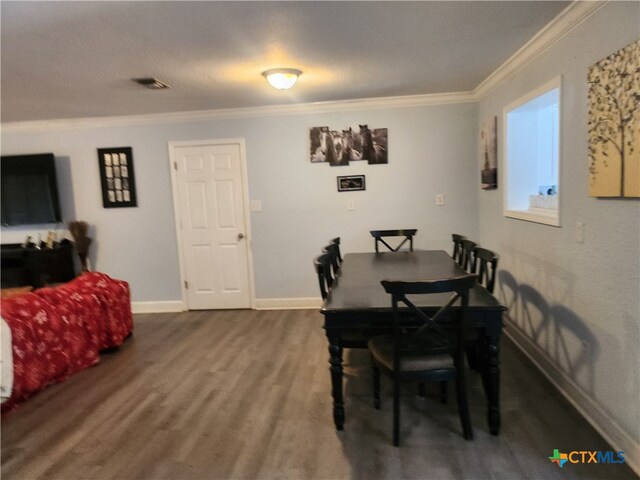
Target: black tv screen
29 189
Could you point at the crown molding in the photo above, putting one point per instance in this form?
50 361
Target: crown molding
572 16
274 110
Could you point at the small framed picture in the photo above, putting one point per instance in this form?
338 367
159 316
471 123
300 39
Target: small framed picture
117 177
351 183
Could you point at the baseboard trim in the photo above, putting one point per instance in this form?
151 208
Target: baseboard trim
287 303
158 307
259 304
599 419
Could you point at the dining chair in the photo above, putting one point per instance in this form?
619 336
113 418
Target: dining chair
323 268
379 236
327 276
337 242
432 353
466 257
485 265
334 255
457 247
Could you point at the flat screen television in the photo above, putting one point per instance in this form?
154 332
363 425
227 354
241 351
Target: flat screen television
29 190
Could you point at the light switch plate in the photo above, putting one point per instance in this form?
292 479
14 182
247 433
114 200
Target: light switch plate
256 205
351 204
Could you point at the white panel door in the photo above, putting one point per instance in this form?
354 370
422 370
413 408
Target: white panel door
211 203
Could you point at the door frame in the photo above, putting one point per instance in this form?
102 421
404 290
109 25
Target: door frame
245 200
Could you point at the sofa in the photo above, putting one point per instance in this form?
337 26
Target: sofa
58 331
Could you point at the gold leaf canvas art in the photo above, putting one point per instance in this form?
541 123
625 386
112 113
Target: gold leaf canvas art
614 124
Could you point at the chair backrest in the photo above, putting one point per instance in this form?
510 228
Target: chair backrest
436 337
337 242
325 277
457 247
466 259
379 235
334 257
485 265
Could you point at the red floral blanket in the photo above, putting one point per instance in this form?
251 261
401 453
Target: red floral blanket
59 331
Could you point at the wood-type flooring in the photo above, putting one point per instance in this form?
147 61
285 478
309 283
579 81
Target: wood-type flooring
241 394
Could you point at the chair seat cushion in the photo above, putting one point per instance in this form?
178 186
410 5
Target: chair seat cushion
411 360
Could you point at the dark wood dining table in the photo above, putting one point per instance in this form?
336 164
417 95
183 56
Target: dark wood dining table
358 307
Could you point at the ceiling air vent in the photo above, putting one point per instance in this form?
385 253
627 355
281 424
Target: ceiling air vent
152 83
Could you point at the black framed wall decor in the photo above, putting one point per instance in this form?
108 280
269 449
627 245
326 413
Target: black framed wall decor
117 177
350 183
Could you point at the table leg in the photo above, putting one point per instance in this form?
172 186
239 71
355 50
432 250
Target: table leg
335 359
491 380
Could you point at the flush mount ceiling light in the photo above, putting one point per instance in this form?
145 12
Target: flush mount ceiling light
282 78
152 83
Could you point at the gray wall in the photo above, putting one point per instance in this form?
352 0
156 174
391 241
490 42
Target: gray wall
431 150
575 306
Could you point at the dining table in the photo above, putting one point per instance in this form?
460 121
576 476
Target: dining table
357 308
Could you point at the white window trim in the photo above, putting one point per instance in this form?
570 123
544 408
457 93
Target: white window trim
537 215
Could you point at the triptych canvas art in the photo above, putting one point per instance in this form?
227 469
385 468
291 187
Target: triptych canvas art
338 148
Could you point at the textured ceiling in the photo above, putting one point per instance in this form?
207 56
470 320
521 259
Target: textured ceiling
77 59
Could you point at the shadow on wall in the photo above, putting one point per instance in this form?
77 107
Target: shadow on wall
95 247
65 189
508 289
556 331
555 281
534 320
576 348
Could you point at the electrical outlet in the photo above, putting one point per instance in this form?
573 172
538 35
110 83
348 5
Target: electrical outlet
440 199
256 205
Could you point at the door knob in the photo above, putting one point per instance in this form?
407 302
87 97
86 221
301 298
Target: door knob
240 236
